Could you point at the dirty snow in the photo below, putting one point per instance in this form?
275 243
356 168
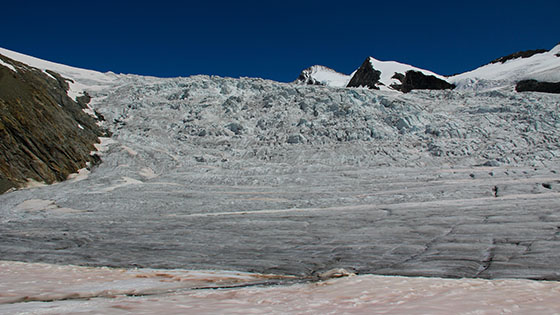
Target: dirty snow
51 289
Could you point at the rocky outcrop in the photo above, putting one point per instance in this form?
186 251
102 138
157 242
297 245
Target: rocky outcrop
306 77
519 54
374 74
45 135
366 76
537 86
416 80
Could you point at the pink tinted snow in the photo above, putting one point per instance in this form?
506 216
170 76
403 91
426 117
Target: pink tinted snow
52 289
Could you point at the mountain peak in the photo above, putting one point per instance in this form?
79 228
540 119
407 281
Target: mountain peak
321 75
366 76
392 75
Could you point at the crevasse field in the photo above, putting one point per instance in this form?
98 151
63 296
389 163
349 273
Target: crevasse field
260 188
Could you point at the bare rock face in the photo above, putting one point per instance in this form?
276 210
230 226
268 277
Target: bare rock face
366 75
45 135
416 80
537 86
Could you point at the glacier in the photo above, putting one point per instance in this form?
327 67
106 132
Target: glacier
252 175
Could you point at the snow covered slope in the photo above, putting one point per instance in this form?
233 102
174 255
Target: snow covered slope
320 75
540 67
83 80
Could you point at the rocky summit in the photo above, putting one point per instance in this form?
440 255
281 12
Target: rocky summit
366 76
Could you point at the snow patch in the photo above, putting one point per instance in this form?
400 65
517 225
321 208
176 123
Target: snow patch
34 205
9 66
31 183
84 80
125 181
82 174
103 146
50 75
129 150
88 110
148 173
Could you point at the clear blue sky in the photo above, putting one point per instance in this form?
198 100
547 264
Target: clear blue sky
275 40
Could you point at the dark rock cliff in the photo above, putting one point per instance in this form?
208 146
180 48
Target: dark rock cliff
519 54
366 75
44 134
416 80
537 86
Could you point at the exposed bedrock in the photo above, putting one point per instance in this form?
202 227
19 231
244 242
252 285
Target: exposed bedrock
537 86
366 76
416 80
45 135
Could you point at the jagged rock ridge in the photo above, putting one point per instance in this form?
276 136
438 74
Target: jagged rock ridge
45 135
366 76
519 54
376 74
